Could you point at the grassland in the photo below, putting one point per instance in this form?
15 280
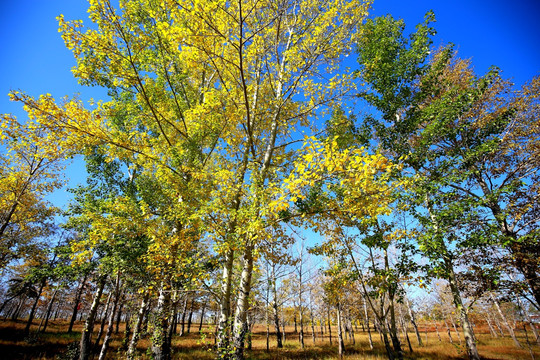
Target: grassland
56 344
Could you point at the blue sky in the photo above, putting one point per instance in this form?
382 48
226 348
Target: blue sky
33 57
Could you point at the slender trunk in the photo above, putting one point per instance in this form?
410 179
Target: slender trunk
104 315
160 345
529 320
48 312
225 307
393 328
283 327
384 335
312 327
242 304
127 332
267 318
110 323
202 316
351 330
301 334
468 332
275 309
173 318
17 310
505 321
86 337
276 324
190 317
58 308
33 310
448 332
138 327
176 320
404 327
455 329
491 329
341 343
366 316
413 322
498 325
78 296
8 300
119 314
437 330
184 312
329 324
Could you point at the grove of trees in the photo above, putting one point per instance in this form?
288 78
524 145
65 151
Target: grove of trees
227 137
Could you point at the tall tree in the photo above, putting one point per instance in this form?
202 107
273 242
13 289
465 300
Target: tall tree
204 97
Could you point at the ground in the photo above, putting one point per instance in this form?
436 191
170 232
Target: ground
56 343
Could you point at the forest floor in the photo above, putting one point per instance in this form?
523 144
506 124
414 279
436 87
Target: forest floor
56 343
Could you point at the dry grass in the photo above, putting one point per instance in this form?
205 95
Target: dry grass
54 343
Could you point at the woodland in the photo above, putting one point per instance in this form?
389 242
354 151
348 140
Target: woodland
237 206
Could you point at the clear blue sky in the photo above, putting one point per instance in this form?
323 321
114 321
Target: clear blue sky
491 32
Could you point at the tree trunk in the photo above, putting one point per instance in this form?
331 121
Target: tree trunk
275 309
301 334
384 335
160 344
242 304
312 326
491 329
393 328
404 327
48 312
110 323
223 336
283 327
119 314
127 332
267 318
104 316
413 322
468 332
86 337
529 320
341 343
78 296
505 321
190 317
33 311
448 332
15 314
202 316
138 327
455 329
437 330
329 324
183 319
366 316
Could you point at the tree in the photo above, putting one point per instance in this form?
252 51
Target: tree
29 172
401 84
205 97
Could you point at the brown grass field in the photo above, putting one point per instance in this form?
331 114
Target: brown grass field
55 342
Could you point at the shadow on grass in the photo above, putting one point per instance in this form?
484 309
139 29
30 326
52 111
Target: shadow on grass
14 344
